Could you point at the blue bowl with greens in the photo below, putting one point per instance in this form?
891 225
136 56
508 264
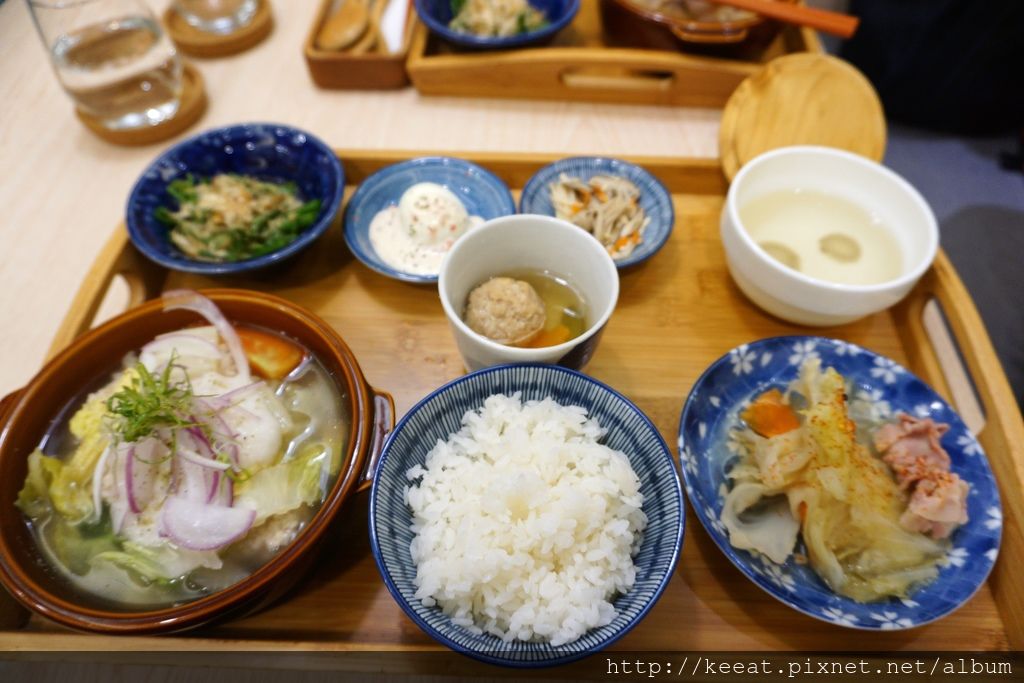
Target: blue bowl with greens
538 23
235 199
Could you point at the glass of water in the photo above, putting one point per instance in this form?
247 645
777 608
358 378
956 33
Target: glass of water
217 16
113 59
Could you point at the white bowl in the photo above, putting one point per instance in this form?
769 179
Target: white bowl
794 296
534 242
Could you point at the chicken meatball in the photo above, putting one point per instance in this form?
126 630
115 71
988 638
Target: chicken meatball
505 310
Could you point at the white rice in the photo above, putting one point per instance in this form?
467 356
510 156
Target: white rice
525 525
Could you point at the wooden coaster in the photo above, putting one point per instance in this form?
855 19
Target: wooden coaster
193 104
197 43
801 99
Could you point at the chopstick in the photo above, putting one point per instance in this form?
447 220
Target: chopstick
834 23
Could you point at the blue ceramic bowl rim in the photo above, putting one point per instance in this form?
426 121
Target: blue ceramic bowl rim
744 569
470 40
490 659
305 238
369 181
652 248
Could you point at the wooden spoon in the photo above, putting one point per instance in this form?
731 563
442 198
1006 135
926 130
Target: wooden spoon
835 23
373 39
346 26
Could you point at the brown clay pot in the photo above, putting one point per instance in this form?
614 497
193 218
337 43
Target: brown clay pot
628 23
26 415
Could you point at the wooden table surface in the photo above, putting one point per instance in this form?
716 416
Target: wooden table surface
63 190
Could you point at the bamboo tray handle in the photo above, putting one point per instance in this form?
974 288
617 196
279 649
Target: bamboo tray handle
1003 434
579 79
117 259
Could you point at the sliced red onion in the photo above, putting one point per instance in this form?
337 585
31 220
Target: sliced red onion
214 478
118 515
216 416
189 332
120 481
203 444
203 461
192 481
140 472
129 477
227 400
97 482
178 340
193 301
234 453
119 509
226 492
295 374
199 526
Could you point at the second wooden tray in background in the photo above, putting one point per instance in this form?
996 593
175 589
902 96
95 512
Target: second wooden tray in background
579 65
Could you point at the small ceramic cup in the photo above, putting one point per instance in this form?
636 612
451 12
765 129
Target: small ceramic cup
805 300
528 241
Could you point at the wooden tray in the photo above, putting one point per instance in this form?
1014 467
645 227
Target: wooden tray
676 314
579 65
369 71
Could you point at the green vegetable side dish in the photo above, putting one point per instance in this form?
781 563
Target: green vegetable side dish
495 18
232 217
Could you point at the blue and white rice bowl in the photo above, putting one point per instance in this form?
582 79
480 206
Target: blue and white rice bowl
887 388
439 415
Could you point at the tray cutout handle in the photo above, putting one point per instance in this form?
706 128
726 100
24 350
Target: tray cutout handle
1003 434
962 390
383 423
590 78
119 267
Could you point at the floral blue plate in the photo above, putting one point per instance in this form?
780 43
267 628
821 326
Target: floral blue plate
749 369
655 200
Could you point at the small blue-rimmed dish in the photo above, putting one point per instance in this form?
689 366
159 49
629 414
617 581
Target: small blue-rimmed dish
439 415
655 200
267 151
480 191
885 388
437 14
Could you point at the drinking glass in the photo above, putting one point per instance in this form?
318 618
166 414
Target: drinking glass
217 16
113 59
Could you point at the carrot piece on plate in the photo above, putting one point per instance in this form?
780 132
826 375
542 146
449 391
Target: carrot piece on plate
769 415
270 356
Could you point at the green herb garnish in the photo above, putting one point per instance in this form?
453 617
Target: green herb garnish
151 402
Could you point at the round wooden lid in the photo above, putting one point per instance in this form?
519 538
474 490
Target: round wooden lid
192 106
197 43
801 99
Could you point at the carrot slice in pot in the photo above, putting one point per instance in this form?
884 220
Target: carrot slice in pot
270 356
